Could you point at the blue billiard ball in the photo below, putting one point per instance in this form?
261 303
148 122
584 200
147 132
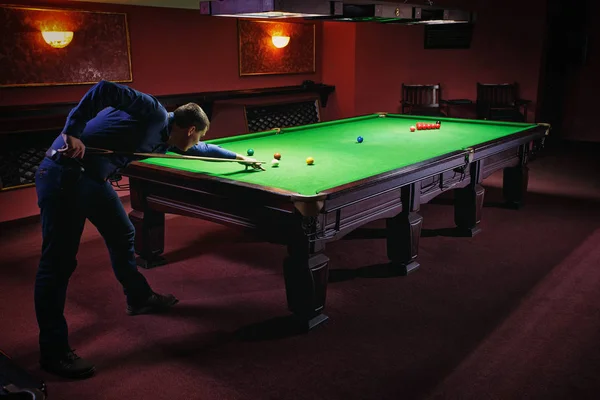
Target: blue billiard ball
250 152
359 139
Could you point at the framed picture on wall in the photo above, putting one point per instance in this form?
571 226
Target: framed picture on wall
276 48
47 46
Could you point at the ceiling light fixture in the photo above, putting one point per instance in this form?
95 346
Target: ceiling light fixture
271 8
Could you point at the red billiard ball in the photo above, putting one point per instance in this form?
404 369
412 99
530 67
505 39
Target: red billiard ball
418 126
277 156
437 126
412 128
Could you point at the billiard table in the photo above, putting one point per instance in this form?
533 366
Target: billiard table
386 176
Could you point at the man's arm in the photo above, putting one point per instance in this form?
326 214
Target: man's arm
207 150
108 94
210 150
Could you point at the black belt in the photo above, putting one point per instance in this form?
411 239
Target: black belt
58 158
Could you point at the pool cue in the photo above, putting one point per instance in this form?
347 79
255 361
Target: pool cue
96 151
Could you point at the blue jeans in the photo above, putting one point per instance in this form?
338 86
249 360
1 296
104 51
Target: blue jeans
67 196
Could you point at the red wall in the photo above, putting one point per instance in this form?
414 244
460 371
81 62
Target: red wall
18 203
339 68
172 51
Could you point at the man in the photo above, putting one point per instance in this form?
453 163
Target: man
73 187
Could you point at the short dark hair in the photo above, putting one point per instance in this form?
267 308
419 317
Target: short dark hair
191 114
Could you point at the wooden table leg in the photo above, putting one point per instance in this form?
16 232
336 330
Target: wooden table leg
516 180
468 202
306 271
404 231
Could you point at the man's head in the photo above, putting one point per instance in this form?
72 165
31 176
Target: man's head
190 124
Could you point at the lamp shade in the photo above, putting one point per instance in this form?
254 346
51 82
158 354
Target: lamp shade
280 41
56 39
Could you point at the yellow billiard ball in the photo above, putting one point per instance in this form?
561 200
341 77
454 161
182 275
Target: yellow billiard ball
310 161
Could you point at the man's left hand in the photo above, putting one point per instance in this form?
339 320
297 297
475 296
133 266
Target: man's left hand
74 148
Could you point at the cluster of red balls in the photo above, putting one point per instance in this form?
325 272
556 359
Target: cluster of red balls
421 126
424 126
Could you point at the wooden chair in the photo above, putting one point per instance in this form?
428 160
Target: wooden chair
422 100
501 102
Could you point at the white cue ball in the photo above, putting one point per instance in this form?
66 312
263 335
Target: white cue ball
275 163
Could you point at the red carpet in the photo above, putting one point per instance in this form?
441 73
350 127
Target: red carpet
511 313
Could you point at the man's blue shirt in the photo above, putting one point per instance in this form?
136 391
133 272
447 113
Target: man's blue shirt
116 117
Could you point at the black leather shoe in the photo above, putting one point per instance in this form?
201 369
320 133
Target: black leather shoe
153 304
67 365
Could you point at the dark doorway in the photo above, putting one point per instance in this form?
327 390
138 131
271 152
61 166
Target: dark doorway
565 53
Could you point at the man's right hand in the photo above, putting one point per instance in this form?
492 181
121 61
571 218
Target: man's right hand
244 158
74 148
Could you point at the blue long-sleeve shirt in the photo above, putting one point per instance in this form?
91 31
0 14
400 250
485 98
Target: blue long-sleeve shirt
117 117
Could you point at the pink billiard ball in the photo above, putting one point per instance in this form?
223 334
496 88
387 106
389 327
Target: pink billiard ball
412 128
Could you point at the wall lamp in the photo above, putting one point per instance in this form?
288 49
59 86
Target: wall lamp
58 40
280 41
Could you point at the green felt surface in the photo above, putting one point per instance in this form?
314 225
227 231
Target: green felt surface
388 144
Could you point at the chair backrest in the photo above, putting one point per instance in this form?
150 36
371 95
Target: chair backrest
421 96
496 94
264 117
